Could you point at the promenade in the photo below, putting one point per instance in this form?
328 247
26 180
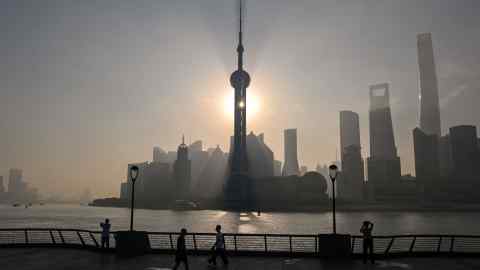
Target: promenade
73 259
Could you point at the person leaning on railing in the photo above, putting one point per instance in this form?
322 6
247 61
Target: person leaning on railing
366 231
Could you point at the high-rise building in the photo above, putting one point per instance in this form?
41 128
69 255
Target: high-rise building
427 166
465 154
382 141
384 169
349 129
351 186
182 172
15 185
159 155
445 156
290 164
277 168
199 159
196 146
260 157
429 103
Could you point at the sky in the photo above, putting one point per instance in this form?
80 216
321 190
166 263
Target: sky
87 87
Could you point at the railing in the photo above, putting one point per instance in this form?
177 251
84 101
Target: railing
271 244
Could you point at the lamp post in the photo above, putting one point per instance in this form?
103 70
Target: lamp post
133 177
333 171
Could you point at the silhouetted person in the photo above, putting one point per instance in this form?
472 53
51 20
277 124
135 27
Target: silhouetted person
105 233
219 248
366 230
181 252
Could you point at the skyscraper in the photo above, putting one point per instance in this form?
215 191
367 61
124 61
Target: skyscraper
427 166
429 102
351 186
240 80
182 172
159 155
15 184
465 154
349 129
238 192
384 168
290 165
382 141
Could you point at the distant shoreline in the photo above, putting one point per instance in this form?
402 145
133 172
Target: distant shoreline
373 207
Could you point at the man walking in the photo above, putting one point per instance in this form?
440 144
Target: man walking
219 248
105 233
181 252
366 231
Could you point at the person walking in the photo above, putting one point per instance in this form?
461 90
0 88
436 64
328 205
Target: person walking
105 233
218 248
181 252
366 231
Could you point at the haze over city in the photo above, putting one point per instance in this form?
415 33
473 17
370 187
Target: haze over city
88 87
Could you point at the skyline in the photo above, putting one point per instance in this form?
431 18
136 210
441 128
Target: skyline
57 112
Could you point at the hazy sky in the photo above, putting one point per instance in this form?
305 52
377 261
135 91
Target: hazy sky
89 86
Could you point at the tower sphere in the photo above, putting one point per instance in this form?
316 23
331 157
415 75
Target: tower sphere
240 79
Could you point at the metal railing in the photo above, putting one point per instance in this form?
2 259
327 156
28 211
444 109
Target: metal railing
270 244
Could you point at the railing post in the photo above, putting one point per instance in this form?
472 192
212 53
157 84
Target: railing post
61 236
439 244
389 246
171 241
51 236
81 239
353 244
194 242
412 244
265 240
94 240
317 244
26 237
452 240
290 241
235 242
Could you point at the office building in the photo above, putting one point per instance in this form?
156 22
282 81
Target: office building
429 101
290 165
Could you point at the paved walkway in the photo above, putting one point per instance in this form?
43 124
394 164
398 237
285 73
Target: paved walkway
55 259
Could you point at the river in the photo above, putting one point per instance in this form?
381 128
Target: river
386 222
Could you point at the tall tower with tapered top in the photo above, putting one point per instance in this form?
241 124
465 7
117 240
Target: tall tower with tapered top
238 189
240 80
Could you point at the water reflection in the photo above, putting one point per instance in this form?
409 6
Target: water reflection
83 217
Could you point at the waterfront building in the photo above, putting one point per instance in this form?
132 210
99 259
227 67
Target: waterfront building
427 166
430 122
384 168
290 165
352 185
260 157
15 182
182 172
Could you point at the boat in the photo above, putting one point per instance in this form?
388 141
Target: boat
184 205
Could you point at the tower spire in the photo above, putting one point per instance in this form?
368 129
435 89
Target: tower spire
240 48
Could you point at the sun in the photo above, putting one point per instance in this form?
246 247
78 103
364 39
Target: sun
253 104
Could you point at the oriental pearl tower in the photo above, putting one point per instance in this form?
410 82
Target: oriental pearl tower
237 190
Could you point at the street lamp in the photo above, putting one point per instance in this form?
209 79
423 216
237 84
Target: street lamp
333 172
133 177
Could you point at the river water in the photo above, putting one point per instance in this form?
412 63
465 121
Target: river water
387 222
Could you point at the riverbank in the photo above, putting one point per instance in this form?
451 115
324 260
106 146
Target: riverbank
340 206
